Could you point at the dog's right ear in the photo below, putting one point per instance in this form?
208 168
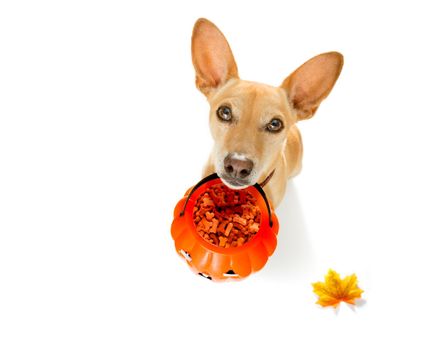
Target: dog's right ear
212 57
311 83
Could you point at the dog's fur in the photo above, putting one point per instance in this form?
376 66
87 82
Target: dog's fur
253 106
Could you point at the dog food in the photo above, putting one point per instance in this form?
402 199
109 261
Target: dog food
226 217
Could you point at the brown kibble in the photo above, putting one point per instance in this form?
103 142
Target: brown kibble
225 217
222 226
239 220
214 238
228 229
222 241
213 228
254 227
206 224
209 215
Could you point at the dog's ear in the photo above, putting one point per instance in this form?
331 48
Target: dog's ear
312 82
212 57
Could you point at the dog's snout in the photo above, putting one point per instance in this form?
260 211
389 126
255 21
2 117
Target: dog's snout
238 167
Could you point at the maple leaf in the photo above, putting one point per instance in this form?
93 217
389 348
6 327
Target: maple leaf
334 290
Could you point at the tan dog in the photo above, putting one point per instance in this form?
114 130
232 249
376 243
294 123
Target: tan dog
253 124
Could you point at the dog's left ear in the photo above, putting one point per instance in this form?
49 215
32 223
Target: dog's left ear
212 57
312 82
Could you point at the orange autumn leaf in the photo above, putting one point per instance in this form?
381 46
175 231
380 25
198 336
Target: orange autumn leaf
334 290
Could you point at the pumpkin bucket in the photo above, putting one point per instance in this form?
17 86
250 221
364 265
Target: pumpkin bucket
216 262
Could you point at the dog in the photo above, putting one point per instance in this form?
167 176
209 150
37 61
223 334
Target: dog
256 139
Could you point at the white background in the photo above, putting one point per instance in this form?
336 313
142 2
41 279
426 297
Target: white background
102 130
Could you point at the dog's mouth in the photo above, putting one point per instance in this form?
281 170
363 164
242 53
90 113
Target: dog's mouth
233 183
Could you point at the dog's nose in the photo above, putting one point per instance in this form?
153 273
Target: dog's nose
238 167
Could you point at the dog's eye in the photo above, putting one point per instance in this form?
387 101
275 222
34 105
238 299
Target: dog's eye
224 113
274 125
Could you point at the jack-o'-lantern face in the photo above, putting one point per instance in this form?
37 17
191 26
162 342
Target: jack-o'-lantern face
216 262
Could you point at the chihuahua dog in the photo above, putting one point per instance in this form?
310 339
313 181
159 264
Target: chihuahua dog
254 125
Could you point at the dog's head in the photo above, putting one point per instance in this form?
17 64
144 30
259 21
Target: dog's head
249 121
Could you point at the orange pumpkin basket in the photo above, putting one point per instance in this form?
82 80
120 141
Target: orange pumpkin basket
213 261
